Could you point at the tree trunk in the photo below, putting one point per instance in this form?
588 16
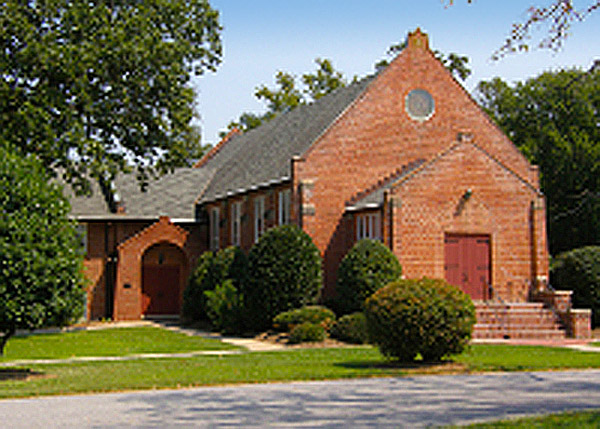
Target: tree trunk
5 335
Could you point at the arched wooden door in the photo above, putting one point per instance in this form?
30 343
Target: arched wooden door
163 268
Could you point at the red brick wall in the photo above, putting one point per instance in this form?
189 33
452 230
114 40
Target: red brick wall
375 136
116 234
271 196
431 203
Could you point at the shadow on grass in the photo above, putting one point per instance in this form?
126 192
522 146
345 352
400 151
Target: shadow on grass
18 374
443 367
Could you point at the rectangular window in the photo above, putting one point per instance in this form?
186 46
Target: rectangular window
284 207
236 222
83 237
259 217
368 226
214 229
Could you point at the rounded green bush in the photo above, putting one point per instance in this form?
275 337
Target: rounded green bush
368 266
212 269
427 317
284 273
307 332
579 270
313 313
351 328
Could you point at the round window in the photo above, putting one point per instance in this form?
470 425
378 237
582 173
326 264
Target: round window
419 105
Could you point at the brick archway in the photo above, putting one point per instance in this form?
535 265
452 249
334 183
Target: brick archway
128 289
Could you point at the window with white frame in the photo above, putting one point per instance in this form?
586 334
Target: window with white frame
236 222
259 217
368 225
284 207
214 229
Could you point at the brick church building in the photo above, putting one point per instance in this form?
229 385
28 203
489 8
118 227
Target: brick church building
405 156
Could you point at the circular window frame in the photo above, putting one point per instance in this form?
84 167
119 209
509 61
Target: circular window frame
428 98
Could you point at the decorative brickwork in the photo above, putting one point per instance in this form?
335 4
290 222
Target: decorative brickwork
375 136
128 288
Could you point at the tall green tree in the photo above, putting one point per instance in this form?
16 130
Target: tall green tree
287 94
93 87
41 273
325 80
554 119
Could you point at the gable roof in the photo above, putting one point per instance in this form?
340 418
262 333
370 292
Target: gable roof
373 197
171 195
262 156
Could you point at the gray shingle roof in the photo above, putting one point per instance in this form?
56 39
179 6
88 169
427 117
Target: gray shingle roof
373 197
172 195
263 155
250 160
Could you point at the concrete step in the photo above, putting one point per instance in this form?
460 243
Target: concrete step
497 320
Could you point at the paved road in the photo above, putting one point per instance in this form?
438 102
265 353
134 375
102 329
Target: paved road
383 402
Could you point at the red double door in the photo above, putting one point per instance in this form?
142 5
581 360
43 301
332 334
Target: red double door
160 289
467 263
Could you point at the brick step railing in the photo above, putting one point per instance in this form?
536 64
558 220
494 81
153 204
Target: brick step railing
516 320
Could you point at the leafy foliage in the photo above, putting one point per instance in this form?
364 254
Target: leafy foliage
351 328
224 308
426 316
579 271
307 332
368 266
553 119
286 95
284 273
41 272
92 86
210 272
558 17
313 313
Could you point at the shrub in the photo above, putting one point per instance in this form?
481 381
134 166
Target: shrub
579 270
212 269
426 316
284 273
307 332
314 314
41 275
194 300
351 328
224 308
368 266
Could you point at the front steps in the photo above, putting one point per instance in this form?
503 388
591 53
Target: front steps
530 320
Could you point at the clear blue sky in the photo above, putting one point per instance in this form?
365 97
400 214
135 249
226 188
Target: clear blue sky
261 37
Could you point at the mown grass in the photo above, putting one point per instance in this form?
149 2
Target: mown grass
582 419
302 364
482 357
106 342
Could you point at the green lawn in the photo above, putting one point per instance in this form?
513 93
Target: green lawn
106 342
302 364
481 357
583 419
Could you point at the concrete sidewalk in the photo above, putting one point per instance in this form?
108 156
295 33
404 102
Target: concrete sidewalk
246 344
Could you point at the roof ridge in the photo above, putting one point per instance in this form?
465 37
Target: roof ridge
216 148
386 180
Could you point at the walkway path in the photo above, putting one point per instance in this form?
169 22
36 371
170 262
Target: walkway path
384 402
246 345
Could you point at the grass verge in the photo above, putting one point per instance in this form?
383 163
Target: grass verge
303 364
582 419
106 342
